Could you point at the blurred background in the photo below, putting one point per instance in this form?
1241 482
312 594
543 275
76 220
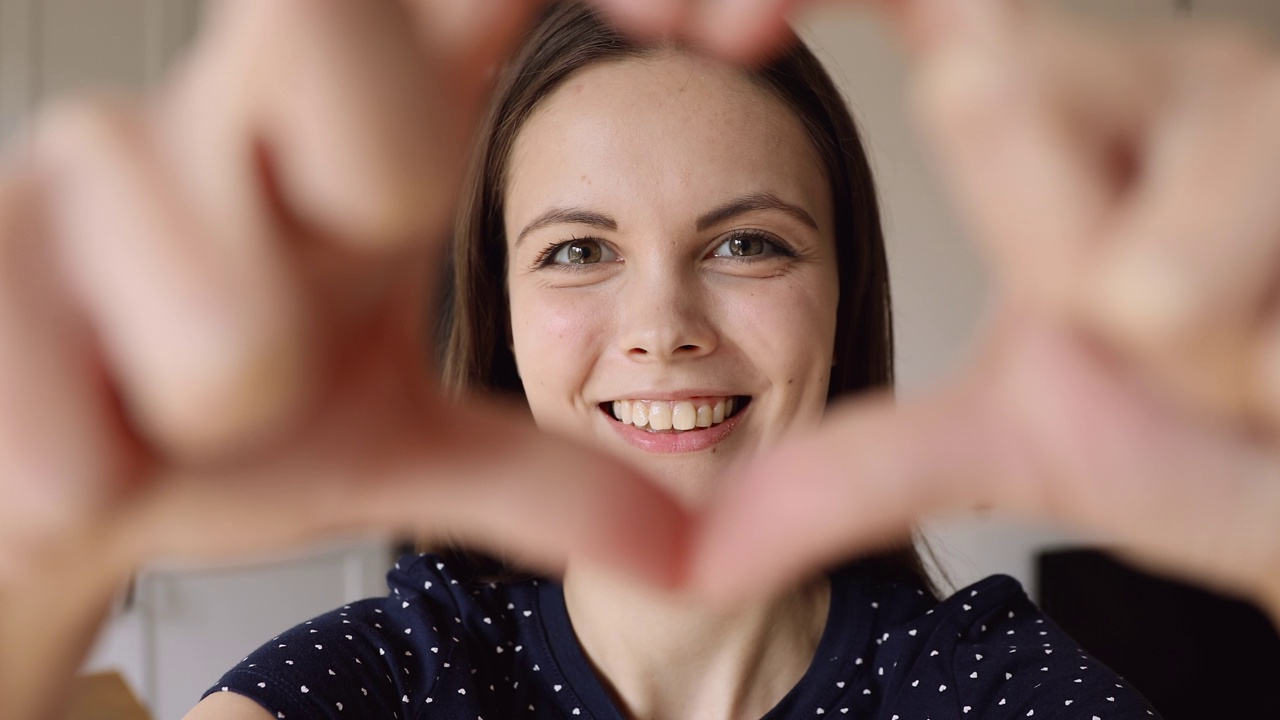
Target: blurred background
176 630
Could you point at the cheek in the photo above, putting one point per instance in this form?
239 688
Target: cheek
788 332
555 337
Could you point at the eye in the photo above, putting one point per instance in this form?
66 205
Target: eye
750 244
584 251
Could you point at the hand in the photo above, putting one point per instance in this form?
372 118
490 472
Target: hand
213 308
213 327
1120 188
1045 425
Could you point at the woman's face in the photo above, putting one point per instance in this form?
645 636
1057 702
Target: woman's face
671 260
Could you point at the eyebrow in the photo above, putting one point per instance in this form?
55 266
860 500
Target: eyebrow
738 206
752 203
568 216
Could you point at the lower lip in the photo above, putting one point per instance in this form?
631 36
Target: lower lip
676 442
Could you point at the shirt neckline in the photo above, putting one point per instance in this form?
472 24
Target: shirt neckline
834 655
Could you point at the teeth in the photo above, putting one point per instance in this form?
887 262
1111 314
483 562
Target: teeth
678 415
639 414
683 416
660 415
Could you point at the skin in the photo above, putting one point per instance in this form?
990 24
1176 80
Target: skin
654 144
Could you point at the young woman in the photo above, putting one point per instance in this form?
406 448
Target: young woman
679 262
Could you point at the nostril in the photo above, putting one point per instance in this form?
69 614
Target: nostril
687 347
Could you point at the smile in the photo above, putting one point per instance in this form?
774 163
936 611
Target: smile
675 416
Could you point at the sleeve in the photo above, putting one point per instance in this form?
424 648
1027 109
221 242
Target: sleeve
374 658
1010 661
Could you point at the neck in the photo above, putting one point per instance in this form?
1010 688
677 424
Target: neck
667 656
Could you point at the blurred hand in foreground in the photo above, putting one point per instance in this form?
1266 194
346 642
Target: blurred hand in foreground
213 308
1122 189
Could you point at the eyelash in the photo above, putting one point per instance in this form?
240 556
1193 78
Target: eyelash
544 259
780 248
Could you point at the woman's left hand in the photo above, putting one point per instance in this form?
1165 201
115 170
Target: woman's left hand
1044 425
1123 189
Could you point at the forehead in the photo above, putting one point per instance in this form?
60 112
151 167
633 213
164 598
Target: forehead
665 135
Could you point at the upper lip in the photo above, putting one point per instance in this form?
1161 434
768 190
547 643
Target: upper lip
674 394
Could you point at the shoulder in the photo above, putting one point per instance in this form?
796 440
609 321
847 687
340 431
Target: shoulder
374 657
989 652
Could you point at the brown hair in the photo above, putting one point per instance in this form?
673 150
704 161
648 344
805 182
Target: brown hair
569 36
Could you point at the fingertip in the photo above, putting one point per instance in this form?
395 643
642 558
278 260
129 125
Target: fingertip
647 19
745 33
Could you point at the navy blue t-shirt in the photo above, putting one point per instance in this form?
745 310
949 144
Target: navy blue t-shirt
438 647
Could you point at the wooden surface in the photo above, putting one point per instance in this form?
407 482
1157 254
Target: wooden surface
104 696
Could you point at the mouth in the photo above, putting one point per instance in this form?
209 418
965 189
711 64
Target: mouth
675 416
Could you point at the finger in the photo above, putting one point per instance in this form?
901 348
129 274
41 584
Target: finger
742 30
647 19
1026 125
384 454
1048 432
204 359
358 134
51 444
1178 493
473 38
857 485
1188 272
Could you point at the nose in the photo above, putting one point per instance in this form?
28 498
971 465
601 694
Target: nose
664 317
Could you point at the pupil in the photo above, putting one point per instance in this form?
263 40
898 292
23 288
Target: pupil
580 253
744 246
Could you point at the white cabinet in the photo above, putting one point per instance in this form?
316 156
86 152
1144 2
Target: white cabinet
182 628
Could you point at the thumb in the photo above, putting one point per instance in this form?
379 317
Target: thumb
860 482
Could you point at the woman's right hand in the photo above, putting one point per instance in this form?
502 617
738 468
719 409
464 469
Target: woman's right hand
213 308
